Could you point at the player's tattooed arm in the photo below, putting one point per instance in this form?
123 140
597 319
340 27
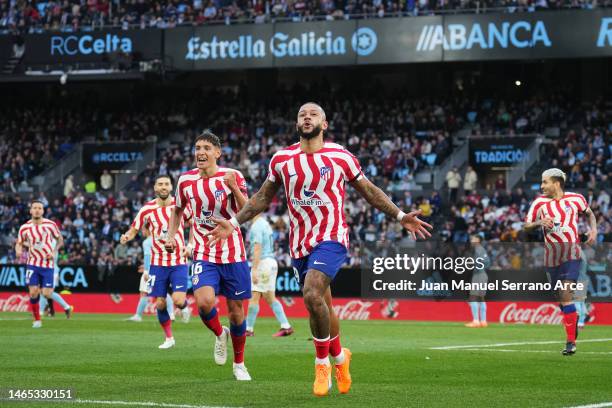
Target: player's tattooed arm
375 196
258 202
592 225
379 200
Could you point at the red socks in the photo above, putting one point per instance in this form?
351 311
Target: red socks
34 307
238 344
211 320
322 347
569 321
335 348
167 326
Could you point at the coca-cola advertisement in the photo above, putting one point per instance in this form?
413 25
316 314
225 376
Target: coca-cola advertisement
345 308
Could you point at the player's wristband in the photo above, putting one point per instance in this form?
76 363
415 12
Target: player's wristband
234 222
400 216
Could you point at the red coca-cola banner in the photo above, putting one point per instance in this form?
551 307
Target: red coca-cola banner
347 309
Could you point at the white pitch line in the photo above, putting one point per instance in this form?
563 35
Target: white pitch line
532 351
600 405
135 403
522 343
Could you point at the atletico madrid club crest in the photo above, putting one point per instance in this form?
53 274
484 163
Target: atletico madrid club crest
325 172
220 194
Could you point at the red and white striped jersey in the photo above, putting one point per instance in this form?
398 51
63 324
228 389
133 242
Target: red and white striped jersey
562 242
212 197
157 221
41 240
314 187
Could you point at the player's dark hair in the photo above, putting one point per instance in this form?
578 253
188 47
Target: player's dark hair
37 201
163 176
560 180
209 137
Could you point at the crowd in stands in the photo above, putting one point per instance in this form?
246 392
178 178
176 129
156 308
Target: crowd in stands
69 15
30 142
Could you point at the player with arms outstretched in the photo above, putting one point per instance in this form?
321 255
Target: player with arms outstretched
166 269
314 174
43 239
213 191
556 212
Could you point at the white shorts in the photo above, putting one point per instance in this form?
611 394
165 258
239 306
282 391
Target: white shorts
143 284
266 276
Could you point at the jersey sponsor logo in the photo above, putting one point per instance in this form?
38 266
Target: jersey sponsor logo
309 199
205 219
163 236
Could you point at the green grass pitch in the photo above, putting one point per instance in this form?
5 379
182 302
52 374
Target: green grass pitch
103 358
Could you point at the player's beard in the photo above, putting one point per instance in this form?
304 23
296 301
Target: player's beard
316 130
163 197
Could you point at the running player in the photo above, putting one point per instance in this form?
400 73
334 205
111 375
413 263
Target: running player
143 288
213 191
556 212
68 309
43 239
167 269
263 276
314 174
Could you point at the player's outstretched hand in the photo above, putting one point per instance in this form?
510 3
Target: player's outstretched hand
416 226
222 231
124 239
592 237
170 245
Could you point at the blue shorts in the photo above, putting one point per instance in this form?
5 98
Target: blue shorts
568 271
161 277
232 280
326 257
37 276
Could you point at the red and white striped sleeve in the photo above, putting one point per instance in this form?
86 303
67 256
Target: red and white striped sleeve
532 214
351 167
241 183
140 219
21 236
273 173
180 200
